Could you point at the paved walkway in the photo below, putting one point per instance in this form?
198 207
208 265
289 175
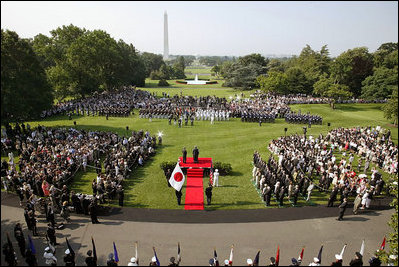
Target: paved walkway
198 239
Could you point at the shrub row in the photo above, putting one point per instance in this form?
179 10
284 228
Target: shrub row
224 168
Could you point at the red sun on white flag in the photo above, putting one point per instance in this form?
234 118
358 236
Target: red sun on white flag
178 177
176 180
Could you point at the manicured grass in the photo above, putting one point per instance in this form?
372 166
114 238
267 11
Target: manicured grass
227 141
198 71
195 90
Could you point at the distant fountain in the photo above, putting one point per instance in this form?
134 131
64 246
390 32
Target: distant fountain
196 81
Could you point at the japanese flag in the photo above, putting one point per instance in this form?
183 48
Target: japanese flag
177 178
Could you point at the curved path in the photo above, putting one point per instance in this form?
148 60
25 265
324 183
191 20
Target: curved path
199 239
217 216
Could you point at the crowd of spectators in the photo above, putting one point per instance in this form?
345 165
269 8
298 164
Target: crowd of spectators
301 159
50 157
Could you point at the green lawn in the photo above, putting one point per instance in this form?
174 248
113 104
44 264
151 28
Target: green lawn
196 70
231 142
194 90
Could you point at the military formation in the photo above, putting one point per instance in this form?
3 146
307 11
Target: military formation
299 118
121 103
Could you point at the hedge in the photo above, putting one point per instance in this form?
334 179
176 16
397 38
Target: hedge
223 168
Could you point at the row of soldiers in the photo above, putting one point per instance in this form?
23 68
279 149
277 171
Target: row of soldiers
303 118
254 116
158 113
211 114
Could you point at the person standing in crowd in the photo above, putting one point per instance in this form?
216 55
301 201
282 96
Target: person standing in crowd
316 262
65 212
10 255
133 262
69 258
30 258
208 192
356 203
19 236
111 261
173 262
90 260
153 262
267 195
51 234
342 209
309 190
32 222
295 194
49 255
333 196
357 261
184 151
338 260
121 193
93 211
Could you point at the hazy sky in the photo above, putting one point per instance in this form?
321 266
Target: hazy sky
217 28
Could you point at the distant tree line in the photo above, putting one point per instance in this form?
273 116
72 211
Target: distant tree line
354 73
71 62
75 62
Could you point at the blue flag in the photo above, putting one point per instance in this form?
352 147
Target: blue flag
31 245
156 257
116 254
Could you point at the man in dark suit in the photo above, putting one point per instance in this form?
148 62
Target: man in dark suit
93 212
333 197
51 234
208 192
184 155
121 194
342 209
195 154
178 196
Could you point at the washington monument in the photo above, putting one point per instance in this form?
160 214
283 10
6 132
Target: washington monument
165 37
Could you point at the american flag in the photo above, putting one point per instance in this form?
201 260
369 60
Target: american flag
211 175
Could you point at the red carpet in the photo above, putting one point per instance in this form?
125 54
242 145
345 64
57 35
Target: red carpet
194 190
202 163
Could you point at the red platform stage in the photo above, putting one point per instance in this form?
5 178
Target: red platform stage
202 163
195 188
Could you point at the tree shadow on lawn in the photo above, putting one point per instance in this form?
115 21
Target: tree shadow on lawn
235 173
351 107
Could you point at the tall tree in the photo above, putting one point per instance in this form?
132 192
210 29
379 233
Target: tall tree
178 68
381 84
132 68
25 91
391 107
351 68
152 62
273 81
382 52
297 81
243 72
326 87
